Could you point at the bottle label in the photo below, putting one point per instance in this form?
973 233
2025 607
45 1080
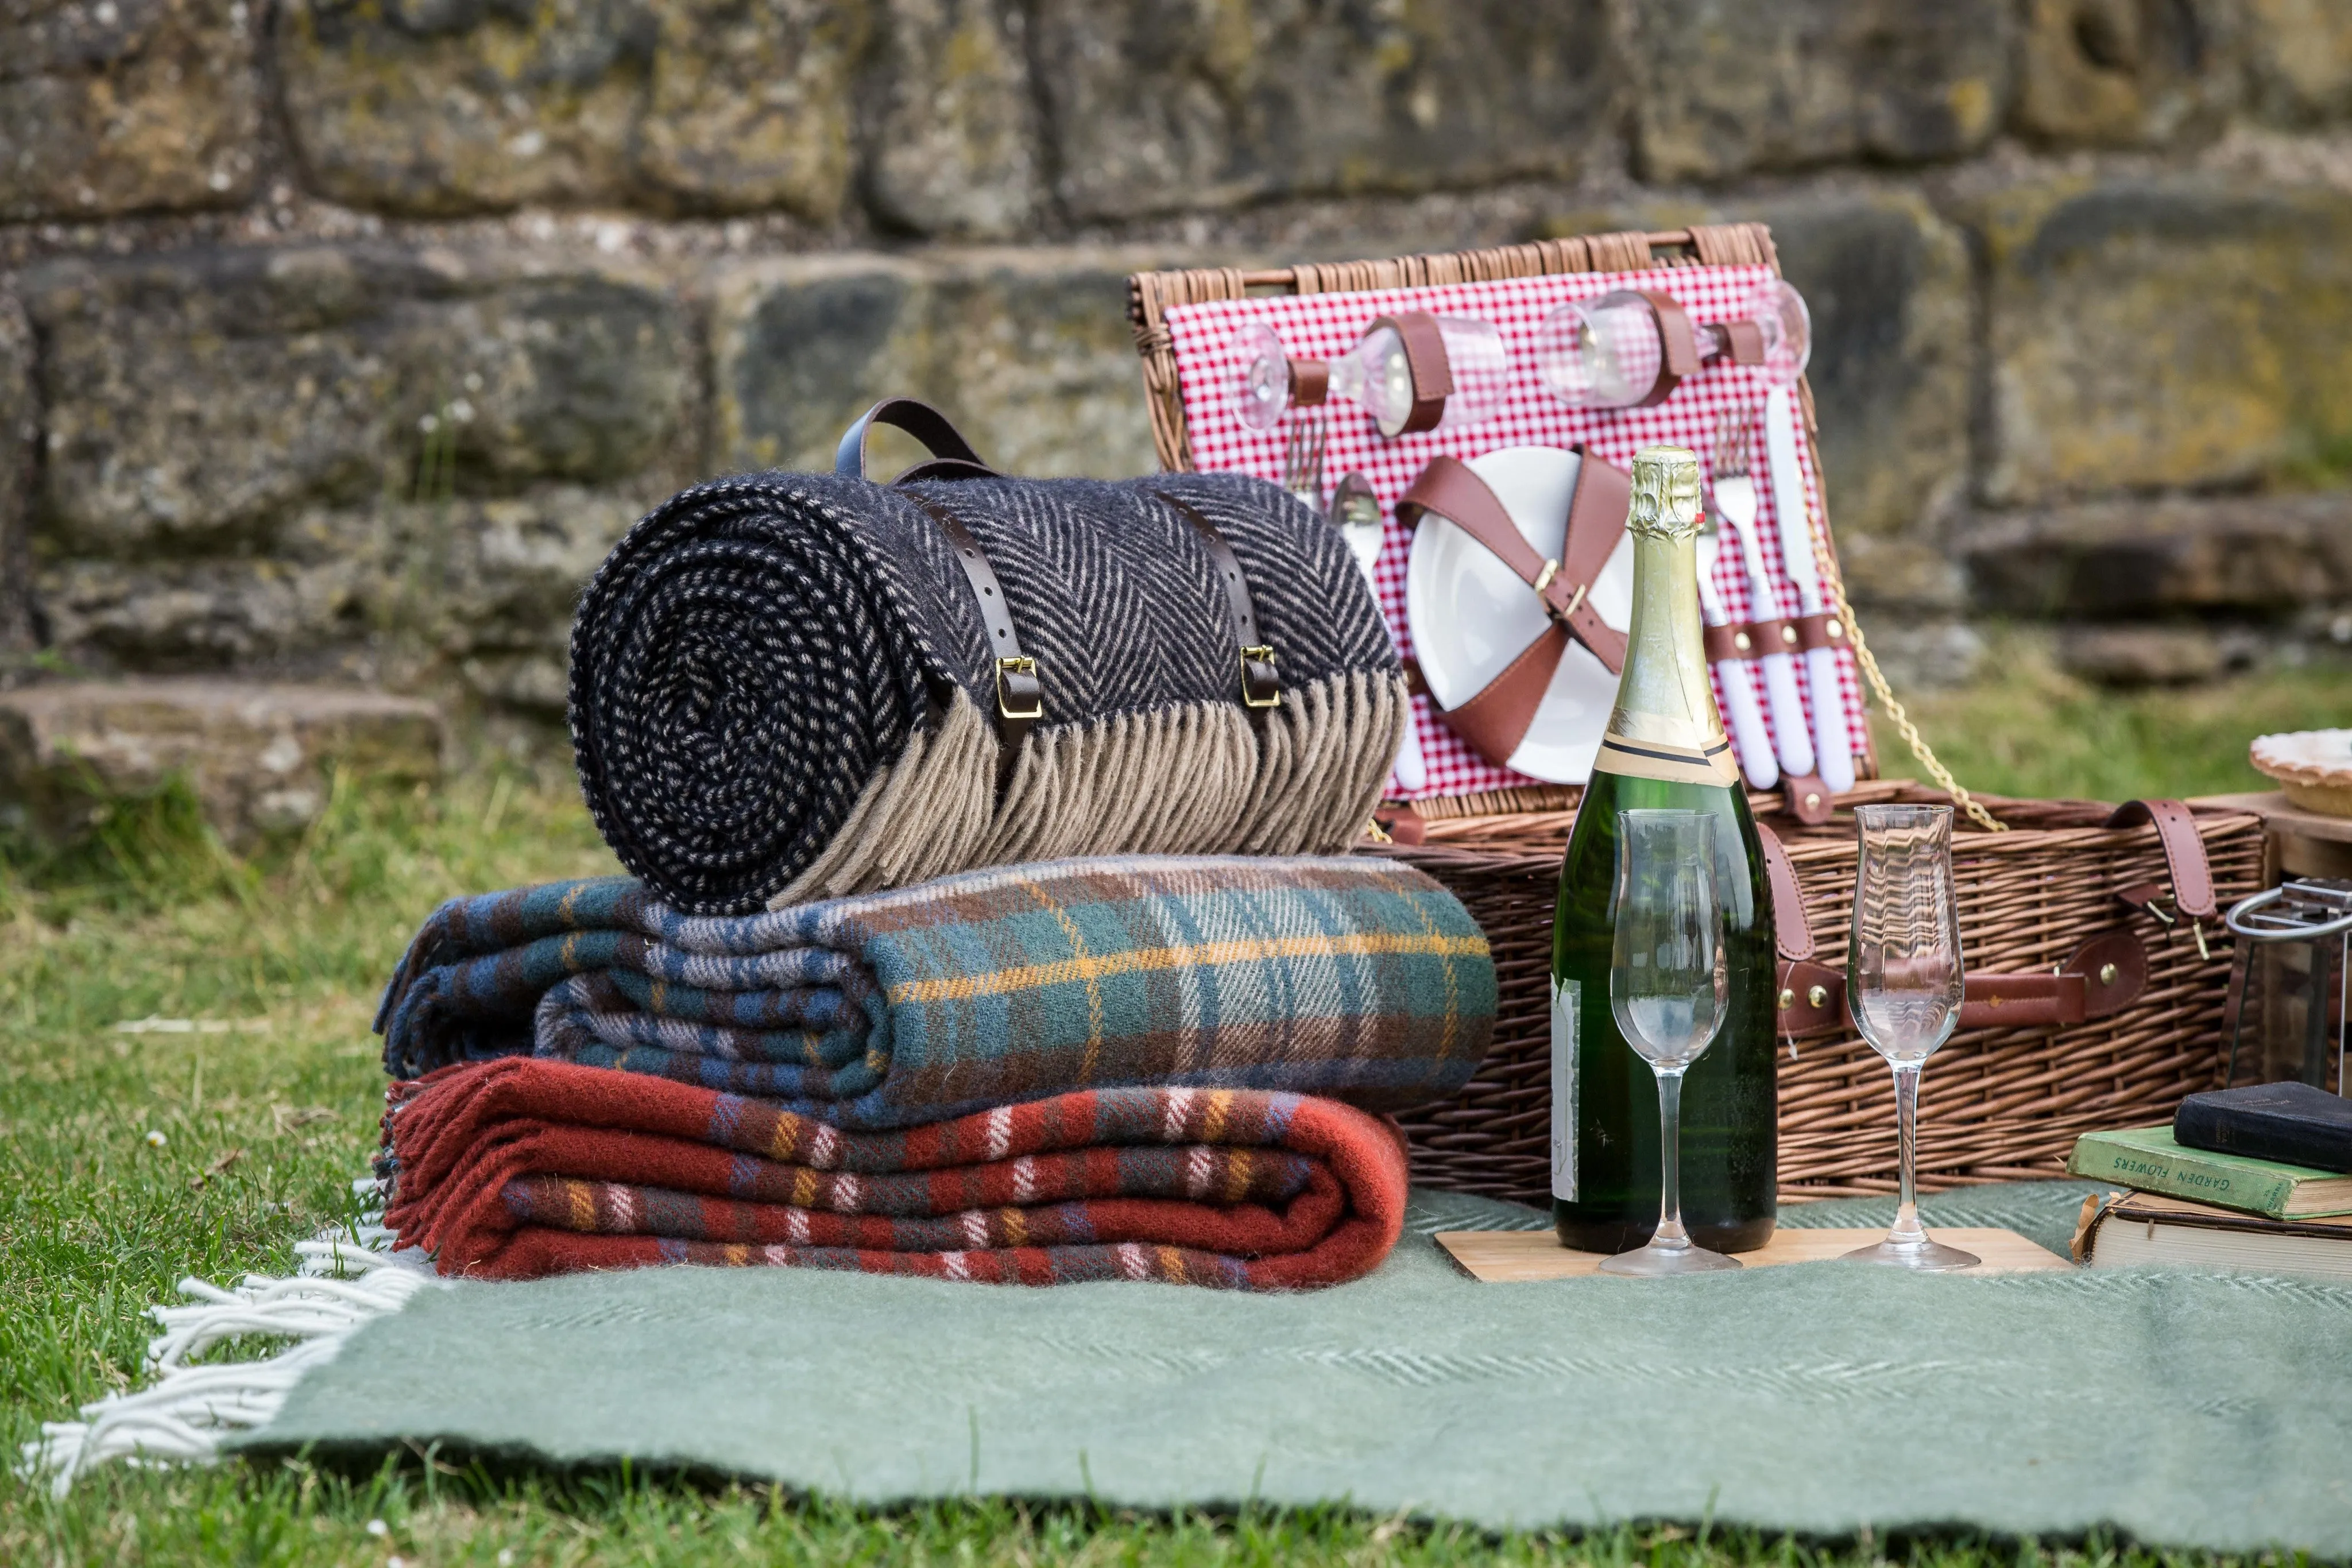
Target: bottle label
1564 999
1709 764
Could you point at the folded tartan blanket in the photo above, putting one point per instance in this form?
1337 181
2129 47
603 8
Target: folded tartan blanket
782 688
1356 978
518 1168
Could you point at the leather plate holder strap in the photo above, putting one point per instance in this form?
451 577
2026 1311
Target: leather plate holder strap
1495 719
2104 975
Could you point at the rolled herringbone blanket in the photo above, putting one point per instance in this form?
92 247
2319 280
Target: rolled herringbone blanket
1351 976
782 688
519 1169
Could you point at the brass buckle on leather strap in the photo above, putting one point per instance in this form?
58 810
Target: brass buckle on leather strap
1019 667
1259 654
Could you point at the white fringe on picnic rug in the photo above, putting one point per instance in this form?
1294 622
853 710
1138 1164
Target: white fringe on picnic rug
346 1278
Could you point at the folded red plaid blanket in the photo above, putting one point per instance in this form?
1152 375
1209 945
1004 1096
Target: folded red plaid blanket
523 1167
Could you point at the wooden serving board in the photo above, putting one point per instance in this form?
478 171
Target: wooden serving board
1502 1256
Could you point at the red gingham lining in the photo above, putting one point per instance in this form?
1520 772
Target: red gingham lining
1323 326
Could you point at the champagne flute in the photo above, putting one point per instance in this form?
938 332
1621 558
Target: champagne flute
1607 352
1668 985
1376 374
1904 975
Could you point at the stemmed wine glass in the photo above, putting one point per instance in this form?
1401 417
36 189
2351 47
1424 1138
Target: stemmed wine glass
1668 987
1904 979
1375 374
1606 352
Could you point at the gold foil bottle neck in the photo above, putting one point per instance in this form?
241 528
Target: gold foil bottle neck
1665 493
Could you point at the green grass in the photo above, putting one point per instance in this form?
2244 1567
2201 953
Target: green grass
267 1116
2026 729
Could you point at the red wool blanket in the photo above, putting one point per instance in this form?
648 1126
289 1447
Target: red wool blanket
524 1166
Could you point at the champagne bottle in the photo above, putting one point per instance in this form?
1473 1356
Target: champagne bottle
1665 748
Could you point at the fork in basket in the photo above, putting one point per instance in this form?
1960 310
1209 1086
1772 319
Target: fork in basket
1735 506
1302 457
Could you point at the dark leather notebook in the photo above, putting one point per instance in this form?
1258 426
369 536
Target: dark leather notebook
2293 1123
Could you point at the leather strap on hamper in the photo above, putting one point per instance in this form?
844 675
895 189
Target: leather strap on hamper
1261 685
2184 860
1495 719
1681 357
1425 362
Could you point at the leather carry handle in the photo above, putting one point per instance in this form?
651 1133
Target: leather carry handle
952 457
2104 975
1495 719
1261 684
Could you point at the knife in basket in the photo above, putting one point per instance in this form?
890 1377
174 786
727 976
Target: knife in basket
1833 746
1738 681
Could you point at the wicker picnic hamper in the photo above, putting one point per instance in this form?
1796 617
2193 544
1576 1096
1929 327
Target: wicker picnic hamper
2038 880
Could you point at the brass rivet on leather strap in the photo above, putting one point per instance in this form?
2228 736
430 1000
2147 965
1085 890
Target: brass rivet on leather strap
1788 998
2106 974
1741 641
1788 634
1833 630
1812 800
1819 997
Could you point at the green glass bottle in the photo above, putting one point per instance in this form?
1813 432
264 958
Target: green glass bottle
1665 748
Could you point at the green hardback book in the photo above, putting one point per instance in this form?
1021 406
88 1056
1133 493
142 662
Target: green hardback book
2147 1160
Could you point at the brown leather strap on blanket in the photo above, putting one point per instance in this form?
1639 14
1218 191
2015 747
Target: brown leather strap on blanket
1020 698
1495 719
1261 685
1425 361
1678 342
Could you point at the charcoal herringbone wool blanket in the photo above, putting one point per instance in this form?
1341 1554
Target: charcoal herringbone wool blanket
1343 975
782 688
518 1168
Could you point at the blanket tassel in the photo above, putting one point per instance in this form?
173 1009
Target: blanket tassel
346 1278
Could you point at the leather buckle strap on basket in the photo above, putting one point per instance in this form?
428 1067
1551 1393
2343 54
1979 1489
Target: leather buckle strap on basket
1495 719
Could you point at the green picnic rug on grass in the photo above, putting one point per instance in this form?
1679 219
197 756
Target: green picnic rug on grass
2184 1410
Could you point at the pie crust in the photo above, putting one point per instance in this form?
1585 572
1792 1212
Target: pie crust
2313 766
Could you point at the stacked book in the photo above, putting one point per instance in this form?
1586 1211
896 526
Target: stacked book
2256 1178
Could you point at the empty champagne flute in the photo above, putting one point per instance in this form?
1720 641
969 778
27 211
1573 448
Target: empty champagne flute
1615 351
1668 985
1453 374
1905 979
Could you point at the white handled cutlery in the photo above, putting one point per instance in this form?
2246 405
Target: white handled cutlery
1739 686
1833 746
1735 506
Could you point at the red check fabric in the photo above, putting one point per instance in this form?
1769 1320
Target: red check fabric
1323 326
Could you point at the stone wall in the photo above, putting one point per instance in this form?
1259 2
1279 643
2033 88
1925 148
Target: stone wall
340 338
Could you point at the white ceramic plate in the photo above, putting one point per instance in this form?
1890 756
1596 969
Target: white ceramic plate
1470 615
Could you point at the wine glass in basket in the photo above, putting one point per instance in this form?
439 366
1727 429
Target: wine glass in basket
1668 989
1905 979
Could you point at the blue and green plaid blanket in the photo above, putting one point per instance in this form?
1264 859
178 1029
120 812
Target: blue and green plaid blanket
1357 978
